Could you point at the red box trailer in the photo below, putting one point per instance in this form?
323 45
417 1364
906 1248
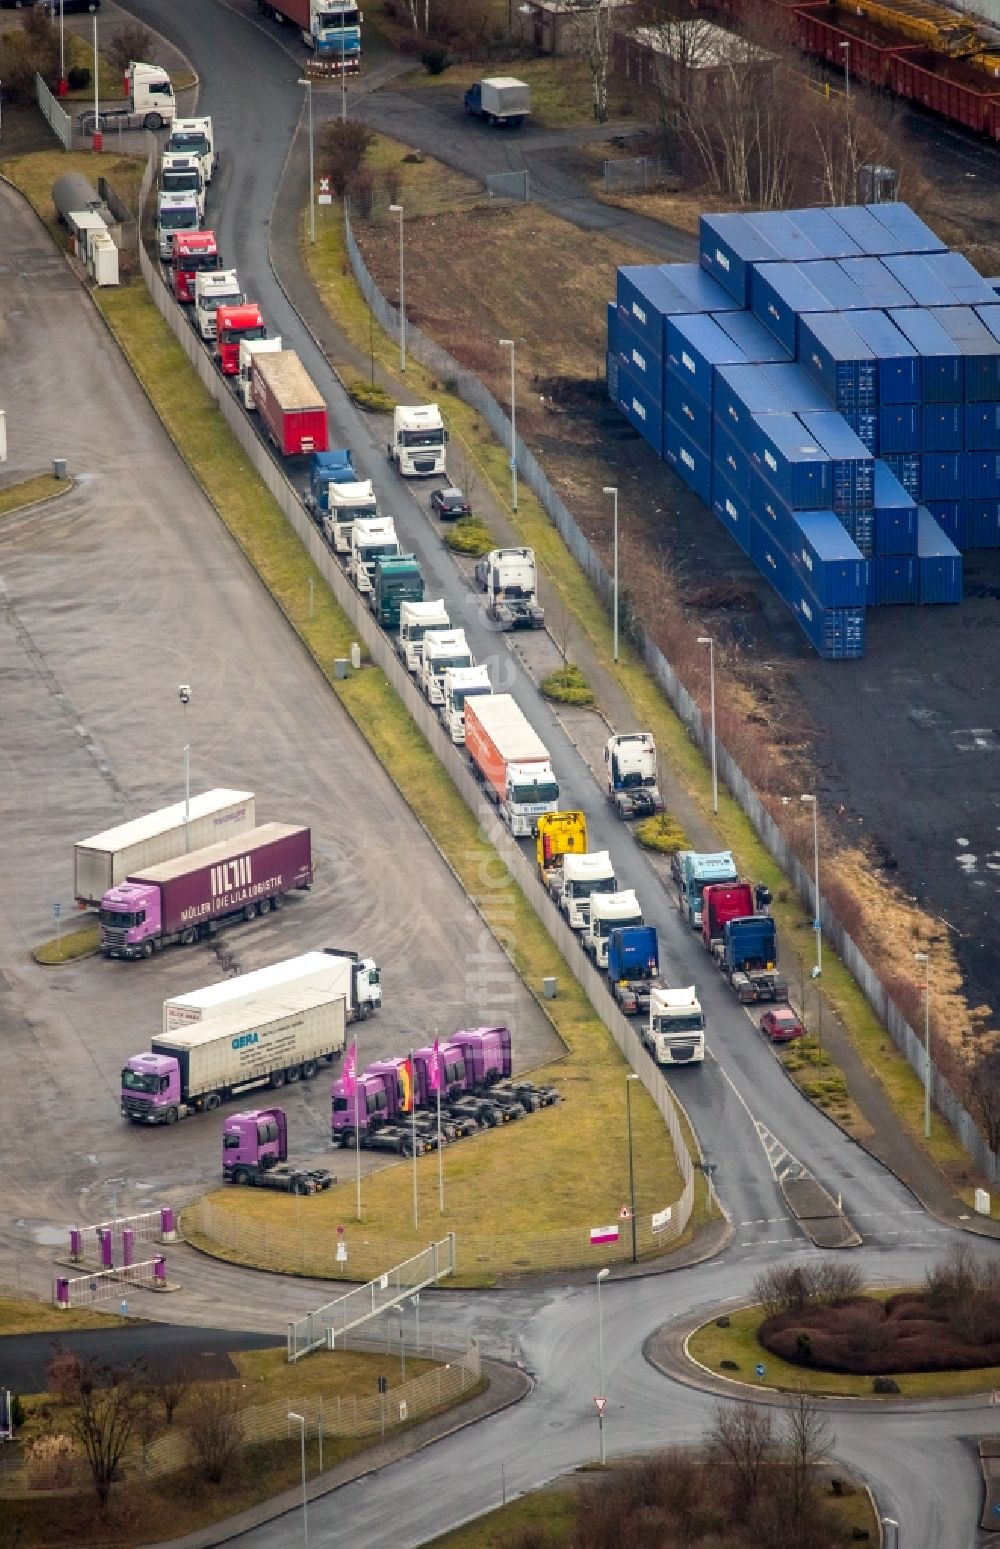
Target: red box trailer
290 404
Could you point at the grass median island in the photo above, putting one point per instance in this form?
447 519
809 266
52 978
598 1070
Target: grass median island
31 492
568 686
69 947
20 1316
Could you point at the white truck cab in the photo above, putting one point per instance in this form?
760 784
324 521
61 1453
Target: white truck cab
608 910
415 619
443 648
194 137
418 440
370 540
211 291
512 589
582 876
248 349
460 684
676 1031
150 94
175 212
181 174
347 504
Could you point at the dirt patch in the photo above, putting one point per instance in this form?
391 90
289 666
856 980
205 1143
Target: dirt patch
867 1337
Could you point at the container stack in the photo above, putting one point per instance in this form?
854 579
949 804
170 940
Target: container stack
828 382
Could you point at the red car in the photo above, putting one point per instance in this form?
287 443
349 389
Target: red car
781 1026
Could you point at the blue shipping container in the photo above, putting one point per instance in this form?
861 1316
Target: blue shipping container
893 580
732 509
907 468
940 563
697 287
942 378
838 287
982 524
942 426
611 363
695 346
876 283
926 288
836 634
727 246
979 349
943 475
860 526
906 228
900 426
836 357
772 514
828 238
895 530
731 458
950 516
828 561
797 388
792 462
644 365
644 297
982 427
612 327
741 391
852 471
686 458
864 423
779 293
965 282
757 344
640 409
691 413
862 227
898 361
982 476
788 240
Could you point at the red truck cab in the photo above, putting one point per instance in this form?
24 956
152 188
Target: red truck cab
194 252
720 903
232 324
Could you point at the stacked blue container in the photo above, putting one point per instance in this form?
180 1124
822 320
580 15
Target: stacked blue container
828 381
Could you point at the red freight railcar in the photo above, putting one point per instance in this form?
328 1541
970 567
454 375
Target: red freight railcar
823 30
954 90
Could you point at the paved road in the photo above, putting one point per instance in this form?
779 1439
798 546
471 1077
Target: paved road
109 599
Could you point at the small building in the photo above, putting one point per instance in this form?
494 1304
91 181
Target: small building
648 56
558 26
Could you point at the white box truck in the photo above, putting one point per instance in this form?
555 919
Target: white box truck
101 862
263 1043
499 99
338 973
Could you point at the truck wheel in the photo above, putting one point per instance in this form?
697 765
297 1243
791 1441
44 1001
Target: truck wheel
148 949
189 937
240 1175
308 1070
172 1115
292 1073
212 1101
278 901
298 1186
264 906
249 911
277 1080
153 121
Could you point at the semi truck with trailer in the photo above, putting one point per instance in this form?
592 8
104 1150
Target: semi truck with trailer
582 877
698 871
442 648
418 440
262 1043
397 578
150 102
415 619
248 349
255 1153
460 684
109 857
499 99
195 137
748 958
675 1032
192 252
511 761
630 763
558 834
336 972
634 967
191 896
174 213
608 911
233 325
331 28
219 287
512 589
290 405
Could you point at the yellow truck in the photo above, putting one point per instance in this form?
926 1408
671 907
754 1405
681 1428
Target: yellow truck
558 834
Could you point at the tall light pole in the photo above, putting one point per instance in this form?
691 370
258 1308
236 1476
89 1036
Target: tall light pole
305 1505
97 142
631 1156
397 209
847 69
510 344
813 801
62 50
343 86
610 489
602 1274
184 694
312 160
927 1046
707 640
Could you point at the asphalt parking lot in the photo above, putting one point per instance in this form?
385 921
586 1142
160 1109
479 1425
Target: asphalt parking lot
109 599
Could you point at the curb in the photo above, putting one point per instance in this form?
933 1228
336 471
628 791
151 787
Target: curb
44 500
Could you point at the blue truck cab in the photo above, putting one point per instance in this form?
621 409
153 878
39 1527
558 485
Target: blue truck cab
633 966
326 468
697 871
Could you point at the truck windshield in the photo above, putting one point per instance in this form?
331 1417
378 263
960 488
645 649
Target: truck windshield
603 927
370 552
545 791
423 437
680 1022
331 20
440 664
230 1142
182 182
178 219
198 263
123 918
195 144
633 777
138 1081
585 888
212 301
347 514
231 334
460 695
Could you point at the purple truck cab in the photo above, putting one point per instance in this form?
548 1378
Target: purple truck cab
487 1053
134 908
366 1106
257 1139
155 1078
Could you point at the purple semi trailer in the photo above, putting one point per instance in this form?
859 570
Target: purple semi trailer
189 897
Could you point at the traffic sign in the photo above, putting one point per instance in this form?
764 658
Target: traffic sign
602 1404
759 1368
56 911
624 1214
325 196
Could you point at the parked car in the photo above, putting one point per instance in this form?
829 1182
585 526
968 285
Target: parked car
781 1025
450 504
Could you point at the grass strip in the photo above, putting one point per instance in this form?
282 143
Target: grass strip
710 1345
20 1316
70 947
32 492
549 1517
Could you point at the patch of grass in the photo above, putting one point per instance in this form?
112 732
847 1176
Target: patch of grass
568 686
70 947
20 1316
552 1511
662 833
30 492
469 535
711 1345
422 185
371 397
80 52
35 175
562 92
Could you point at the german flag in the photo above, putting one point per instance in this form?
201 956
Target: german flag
406 1082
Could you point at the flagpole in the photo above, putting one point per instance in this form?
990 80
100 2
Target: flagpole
413 1133
357 1128
438 1078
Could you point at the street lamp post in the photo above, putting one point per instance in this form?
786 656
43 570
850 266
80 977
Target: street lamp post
312 160
610 489
631 1156
813 801
510 344
847 69
62 50
602 1274
924 957
300 1420
397 209
707 640
184 694
96 140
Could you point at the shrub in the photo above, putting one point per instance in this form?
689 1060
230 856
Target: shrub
568 686
435 60
17 1415
343 146
128 43
469 535
78 76
49 1462
371 397
885 1385
662 833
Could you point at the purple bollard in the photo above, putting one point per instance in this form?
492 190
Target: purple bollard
159 1273
168 1231
75 1243
62 1291
106 1238
128 1246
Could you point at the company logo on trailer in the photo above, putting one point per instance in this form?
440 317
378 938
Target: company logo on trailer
731 510
688 362
721 259
637 408
687 458
232 874
638 312
245 1040
639 360
771 461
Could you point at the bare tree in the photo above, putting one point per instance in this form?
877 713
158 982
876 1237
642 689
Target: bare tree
742 1438
169 1386
214 1431
127 43
103 1408
600 49
806 1439
984 1092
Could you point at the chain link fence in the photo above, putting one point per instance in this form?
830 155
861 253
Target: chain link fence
473 392
633 174
508 185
